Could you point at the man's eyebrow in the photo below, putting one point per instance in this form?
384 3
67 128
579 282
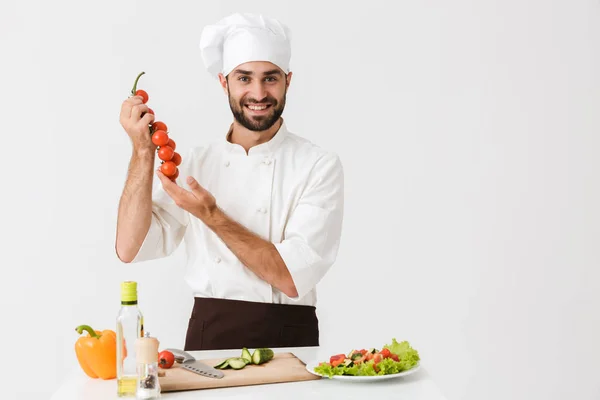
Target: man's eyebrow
266 73
243 72
273 72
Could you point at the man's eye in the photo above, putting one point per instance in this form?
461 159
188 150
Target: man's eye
243 78
271 79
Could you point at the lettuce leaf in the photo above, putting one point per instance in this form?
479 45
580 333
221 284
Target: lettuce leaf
327 370
363 369
408 356
388 366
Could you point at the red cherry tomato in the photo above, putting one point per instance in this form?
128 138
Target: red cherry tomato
385 353
171 143
142 93
394 357
176 158
168 168
176 175
159 126
166 359
160 138
165 153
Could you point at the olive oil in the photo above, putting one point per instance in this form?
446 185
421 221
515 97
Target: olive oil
126 387
130 327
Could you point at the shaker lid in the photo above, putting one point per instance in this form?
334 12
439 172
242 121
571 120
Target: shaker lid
146 349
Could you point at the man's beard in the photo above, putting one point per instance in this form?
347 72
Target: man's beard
261 122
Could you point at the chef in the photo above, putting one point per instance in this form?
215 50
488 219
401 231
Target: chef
259 211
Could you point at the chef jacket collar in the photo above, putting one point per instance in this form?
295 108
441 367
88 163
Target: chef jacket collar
266 148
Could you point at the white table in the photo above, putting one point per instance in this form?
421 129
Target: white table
417 386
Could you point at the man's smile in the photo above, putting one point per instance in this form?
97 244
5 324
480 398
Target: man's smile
258 108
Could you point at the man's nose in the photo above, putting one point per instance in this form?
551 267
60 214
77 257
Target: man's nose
258 91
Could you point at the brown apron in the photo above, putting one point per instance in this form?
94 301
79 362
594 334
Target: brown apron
217 324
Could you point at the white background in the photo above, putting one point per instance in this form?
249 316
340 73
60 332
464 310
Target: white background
469 136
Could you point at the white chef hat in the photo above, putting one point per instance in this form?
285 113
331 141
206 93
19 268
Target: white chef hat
241 38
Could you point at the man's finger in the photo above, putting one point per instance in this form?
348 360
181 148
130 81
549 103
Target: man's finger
137 110
147 119
135 100
168 184
198 190
128 105
177 193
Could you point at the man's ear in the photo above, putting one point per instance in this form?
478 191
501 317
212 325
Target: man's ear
288 79
223 81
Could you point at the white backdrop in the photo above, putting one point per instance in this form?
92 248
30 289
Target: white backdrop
469 136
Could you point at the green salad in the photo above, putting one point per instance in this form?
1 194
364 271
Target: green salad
391 359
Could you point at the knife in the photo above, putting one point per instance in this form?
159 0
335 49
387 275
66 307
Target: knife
188 362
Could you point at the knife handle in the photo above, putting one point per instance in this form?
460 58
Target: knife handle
181 356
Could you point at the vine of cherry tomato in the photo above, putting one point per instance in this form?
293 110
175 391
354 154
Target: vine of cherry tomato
165 146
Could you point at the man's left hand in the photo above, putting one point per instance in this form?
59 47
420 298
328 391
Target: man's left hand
199 202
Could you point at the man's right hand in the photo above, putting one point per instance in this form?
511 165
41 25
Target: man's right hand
136 126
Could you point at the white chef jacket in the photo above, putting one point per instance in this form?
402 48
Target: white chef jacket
288 191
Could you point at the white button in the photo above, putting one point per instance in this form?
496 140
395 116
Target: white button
262 210
227 163
217 259
267 161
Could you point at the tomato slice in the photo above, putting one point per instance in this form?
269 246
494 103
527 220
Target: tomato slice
394 357
377 358
337 362
337 359
386 353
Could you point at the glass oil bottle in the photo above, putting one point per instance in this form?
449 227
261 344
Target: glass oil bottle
130 327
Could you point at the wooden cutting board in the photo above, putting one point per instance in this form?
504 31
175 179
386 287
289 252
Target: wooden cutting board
284 367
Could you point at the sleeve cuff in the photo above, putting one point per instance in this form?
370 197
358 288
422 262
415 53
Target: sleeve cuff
151 244
303 264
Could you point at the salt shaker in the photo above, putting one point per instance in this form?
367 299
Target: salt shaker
147 385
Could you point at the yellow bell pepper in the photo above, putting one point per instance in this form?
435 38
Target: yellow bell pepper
97 352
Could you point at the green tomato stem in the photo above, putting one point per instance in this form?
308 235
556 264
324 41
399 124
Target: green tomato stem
136 82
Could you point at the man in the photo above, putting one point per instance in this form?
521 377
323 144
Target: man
260 211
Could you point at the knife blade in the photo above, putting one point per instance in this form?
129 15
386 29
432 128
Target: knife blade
190 363
202 369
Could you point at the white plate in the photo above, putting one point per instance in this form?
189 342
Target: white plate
310 367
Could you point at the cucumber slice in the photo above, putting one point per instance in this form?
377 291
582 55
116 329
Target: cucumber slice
223 365
261 356
237 362
246 355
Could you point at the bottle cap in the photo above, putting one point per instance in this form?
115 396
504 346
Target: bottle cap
146 349
129 292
